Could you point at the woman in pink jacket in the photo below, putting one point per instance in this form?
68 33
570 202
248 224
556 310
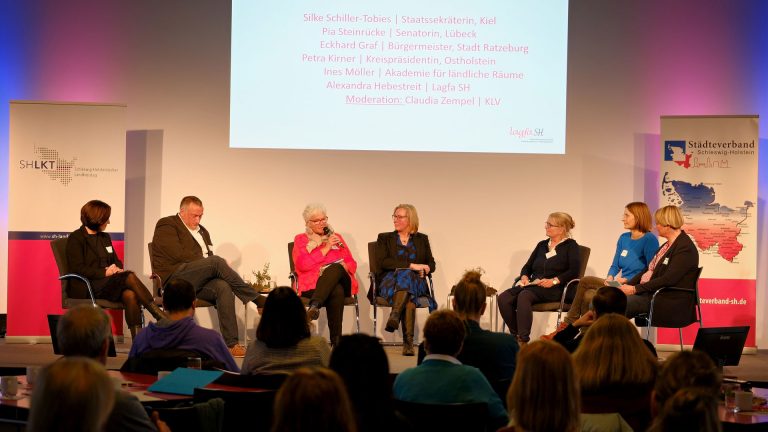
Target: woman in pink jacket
325 268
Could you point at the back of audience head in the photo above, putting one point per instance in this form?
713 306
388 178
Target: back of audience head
178 296
284 320
362 364
444 333
689 409
71 394
544 378
469 294
84 331
612 355
313 400
686 369
609 299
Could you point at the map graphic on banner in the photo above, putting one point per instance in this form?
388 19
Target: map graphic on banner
714 227
709 170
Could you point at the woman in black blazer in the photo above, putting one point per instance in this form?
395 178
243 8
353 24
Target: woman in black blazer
676 263
91 255
404 260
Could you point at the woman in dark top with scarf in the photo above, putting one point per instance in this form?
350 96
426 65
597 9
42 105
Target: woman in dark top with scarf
91 255
553 263
405 259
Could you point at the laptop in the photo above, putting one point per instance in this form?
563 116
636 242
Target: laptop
53 323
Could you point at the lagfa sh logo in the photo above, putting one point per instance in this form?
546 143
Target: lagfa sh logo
49 162
674 151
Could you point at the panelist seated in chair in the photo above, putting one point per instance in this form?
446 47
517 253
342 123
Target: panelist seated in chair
441 378
283 342
90 254
552 264
675 263
634 251
180 331
182 248
405 259
325 268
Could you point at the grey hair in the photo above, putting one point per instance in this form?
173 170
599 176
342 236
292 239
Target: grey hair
83 330
311 209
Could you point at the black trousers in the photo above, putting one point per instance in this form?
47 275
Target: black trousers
332 286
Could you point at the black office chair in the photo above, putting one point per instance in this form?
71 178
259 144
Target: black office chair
257 381
59 248
167 359
569 291
206 416
243 409
465 417
675 307
294 277
378 301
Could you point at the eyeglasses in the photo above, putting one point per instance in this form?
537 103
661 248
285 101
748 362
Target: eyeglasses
318 221
549 225
398 217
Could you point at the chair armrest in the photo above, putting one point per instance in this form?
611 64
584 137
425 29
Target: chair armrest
565 290
666 289
85 280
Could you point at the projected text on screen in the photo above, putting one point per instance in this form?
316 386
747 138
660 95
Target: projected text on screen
485 76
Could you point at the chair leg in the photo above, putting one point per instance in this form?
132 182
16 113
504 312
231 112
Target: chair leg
357 314
680 330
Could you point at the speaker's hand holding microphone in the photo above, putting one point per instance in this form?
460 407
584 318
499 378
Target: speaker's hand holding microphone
333 239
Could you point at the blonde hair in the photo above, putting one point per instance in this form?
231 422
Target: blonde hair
413 216
313 399
670 216
544 376
73 393
642 215
612 355
564 220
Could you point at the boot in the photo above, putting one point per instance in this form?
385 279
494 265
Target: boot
313 312
398 303
409 322
156 312
134 329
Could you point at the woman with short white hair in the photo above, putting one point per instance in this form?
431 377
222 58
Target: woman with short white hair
325 268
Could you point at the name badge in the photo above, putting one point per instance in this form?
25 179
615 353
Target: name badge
109 249
551 253
624 253
666 261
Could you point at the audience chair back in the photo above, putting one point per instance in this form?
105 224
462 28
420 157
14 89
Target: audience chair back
675 307
373 293
59 248
466 417
257 381
206 416
244 409
294 277
153 361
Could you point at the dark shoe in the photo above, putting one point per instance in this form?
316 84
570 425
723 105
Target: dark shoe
313 313
409 323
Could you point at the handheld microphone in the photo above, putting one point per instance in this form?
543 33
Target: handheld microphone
327 231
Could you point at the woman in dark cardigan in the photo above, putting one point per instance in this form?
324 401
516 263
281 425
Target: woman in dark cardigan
405 259
552 264
91 255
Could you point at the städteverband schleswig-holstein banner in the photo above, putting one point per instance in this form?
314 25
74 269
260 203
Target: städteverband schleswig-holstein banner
709 169
61 155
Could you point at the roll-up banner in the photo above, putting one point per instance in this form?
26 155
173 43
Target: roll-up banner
61 155
709 169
